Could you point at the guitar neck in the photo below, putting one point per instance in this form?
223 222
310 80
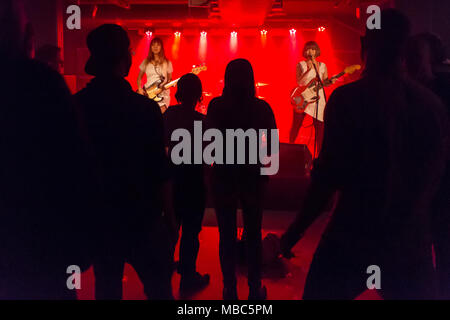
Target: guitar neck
338 75
327 82
171 83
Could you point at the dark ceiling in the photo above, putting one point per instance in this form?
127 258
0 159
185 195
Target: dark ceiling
135 14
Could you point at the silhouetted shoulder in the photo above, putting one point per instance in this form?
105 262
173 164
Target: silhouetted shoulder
266 115
264 106
147 105
214 104
213 113
46 82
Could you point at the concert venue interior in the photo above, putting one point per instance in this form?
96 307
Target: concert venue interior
211 33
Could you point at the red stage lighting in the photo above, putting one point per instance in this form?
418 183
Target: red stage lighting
148 33
203 33
233 34
321 29
177 34
292 31
263 32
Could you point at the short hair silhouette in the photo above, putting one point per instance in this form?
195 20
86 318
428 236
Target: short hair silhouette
109 47
189 89
383 48
438 50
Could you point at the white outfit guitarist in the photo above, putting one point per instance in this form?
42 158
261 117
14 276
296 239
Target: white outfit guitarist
323 74
304 76
156 73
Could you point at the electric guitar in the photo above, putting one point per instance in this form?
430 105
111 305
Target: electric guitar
302 96
153 91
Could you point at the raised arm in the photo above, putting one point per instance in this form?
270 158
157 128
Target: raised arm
300 73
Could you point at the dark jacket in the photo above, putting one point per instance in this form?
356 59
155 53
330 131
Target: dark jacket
46 184
384 152
125 130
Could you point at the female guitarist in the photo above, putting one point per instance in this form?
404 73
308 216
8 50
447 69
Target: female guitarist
158 69
306 72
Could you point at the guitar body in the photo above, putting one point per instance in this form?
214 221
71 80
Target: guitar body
153 91
302 96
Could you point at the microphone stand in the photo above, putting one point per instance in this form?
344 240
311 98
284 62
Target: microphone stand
316 113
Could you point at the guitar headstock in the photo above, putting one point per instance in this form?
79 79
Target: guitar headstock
352 69
198 69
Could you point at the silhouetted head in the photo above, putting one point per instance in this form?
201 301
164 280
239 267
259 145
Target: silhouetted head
418 59
109 46
438 51
239 80
13 30
383 49
189 90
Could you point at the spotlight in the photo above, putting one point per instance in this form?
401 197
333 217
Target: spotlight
148 33
321 29
203 33
263 32
292 31
233 34
177 34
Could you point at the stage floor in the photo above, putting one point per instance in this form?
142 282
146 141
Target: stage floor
284 282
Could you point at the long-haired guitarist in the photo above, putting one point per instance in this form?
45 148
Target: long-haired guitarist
158 69
306 72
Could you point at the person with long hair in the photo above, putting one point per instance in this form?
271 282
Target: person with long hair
238 108
157 68
306 72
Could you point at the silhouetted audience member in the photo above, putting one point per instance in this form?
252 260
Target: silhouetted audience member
238 108
383 151
188 182
126 132
425 61
46 181
50 55
423 55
